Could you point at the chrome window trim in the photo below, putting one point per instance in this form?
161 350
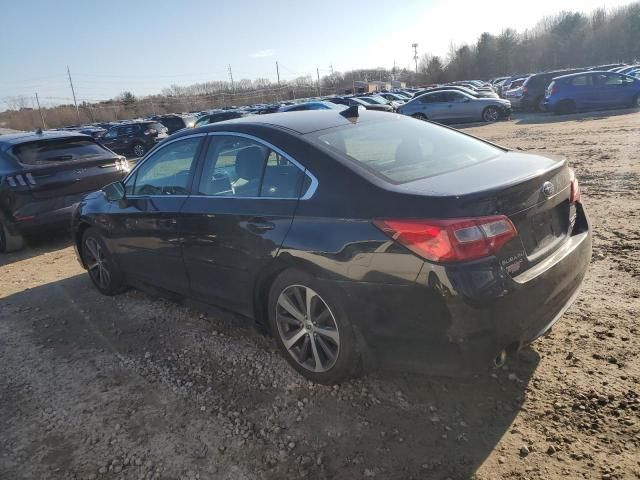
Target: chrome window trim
307 195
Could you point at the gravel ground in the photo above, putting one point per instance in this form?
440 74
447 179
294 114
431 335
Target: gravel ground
135 387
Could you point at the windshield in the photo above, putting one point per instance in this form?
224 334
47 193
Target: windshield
401 149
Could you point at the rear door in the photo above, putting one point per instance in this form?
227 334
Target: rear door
144 231
66 167
236 220
435 106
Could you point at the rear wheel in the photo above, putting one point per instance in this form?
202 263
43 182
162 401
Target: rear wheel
8 241
103 271
491 114
539 106
138 149
419 116
312 329
565 107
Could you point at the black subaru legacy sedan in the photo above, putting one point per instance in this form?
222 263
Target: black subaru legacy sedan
355 237
42 174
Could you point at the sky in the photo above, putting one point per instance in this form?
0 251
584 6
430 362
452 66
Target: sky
143 46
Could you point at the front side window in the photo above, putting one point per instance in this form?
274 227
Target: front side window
401 150
165 172
241 167
112 133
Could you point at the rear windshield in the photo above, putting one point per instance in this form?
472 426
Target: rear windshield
59 150
402 149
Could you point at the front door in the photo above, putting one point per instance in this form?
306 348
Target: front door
241 209
145 234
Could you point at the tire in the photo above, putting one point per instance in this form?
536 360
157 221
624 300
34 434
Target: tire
138 149
103 271
311 328
539 104
8 241
565 107
491 114
419 116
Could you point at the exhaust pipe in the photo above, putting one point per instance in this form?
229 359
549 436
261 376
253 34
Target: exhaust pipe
500 359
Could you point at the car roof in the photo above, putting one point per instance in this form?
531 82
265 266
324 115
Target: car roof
25 137
300 122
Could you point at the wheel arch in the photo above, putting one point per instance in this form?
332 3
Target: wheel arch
264 280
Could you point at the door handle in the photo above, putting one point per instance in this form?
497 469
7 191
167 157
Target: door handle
259 225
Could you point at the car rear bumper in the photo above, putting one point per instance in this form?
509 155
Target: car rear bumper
457 320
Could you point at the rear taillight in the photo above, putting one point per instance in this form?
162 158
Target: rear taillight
20 180
575 187
453 240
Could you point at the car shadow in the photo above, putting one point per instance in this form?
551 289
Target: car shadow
35 245
393 424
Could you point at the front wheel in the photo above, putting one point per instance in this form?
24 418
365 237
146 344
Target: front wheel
491 114
8 241
419 116
103 271
311 328
138 149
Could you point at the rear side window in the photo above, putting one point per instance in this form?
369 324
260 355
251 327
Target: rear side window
59 150
241 167
402 149
580 81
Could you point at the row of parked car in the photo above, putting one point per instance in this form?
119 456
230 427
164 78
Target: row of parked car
576 89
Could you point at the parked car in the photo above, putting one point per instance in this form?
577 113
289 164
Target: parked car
378 100
311 106
591 91
135 138
42 174
468 91
355 101
533 89
175 123
349 234
453 106
395 97
218 117
514 96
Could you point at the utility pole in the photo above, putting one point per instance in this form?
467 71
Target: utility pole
74 93
353 81
44 125
278 73
318 74
415 58
233 85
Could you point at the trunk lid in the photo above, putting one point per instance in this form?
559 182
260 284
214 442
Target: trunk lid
533 191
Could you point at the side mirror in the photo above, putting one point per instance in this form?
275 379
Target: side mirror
114 192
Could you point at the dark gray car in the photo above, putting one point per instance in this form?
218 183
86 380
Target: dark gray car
452 106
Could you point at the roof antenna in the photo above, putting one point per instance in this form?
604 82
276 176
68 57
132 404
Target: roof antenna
351 112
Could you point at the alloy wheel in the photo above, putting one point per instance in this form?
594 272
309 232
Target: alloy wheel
97 263
138 150
307 327
491 115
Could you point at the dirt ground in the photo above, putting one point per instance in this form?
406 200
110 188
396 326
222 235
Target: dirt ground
135 387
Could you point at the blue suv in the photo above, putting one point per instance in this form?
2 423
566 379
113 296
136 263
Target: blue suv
591 91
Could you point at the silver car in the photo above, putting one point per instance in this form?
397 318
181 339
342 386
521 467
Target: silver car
451 106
